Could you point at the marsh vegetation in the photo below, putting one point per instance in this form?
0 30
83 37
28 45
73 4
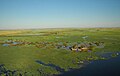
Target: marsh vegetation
49 52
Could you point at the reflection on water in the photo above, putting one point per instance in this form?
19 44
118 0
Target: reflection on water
5 44
109 67
12 43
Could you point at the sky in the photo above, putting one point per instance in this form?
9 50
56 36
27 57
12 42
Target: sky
22 14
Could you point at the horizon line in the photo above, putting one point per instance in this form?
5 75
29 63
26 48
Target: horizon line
56 28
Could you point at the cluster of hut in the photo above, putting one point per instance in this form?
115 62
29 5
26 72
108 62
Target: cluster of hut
87 46
84 46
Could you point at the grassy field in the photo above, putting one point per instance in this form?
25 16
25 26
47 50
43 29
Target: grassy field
43 52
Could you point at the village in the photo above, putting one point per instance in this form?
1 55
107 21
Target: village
77 47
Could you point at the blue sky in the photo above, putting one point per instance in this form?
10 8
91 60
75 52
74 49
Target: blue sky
16 14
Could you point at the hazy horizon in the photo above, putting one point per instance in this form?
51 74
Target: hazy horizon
33 14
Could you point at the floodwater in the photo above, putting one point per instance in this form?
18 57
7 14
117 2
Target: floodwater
109 67
5 45
15 43
51 65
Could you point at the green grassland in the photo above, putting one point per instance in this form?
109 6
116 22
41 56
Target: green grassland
23 58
